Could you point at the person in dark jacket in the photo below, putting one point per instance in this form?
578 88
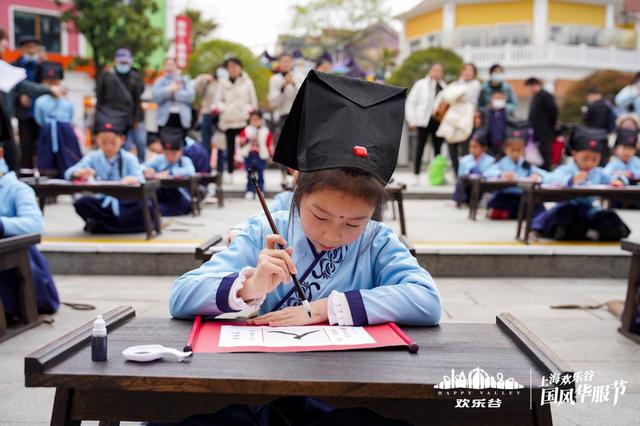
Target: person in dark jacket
28 129
543 116
597 112
119 89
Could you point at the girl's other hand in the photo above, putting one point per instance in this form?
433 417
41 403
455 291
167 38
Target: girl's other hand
294 315
580 177
617 183
274 266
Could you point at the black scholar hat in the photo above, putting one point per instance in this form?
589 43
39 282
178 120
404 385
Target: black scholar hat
340 122
585 138
627 137
28 39
111 120
49 71
172 138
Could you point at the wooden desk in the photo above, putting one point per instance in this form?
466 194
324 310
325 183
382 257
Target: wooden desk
216 179
479 186
145 192
632 302
392 382
14 254
190 183
534 193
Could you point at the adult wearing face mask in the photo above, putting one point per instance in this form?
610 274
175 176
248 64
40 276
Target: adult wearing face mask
234 100
497 83
28 129
628 99
119 89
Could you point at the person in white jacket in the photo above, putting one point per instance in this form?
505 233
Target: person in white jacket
457 124
419 110
234 100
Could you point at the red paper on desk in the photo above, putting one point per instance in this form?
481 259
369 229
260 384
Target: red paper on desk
217 337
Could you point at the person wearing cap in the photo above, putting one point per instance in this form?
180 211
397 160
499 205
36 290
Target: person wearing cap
119 88
512 167
579 218
476 162
624 162
172 163
21 215
543 116
343 136
102 213
28 130
174 94
58 146
234 100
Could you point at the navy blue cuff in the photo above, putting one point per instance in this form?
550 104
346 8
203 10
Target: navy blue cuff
1 229
356 306
222 295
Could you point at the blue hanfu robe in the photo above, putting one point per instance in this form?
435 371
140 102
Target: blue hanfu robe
173 201
617 167
509 199
571 220
58 147
198 155
105 214
376 273
470 165
20 215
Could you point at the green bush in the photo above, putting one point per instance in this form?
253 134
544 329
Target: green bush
210 54
608 82
417 65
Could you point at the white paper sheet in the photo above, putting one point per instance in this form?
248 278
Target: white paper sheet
10 76
235 336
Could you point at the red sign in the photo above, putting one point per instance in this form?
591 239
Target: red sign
183 40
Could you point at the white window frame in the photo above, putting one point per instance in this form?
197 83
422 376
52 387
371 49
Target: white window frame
64 37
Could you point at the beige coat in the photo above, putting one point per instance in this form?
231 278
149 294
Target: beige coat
235 101
206 89
457 124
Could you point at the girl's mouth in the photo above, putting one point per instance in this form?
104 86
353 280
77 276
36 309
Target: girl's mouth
325 248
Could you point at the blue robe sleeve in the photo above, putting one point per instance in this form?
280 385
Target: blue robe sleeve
465 165
187 169
282 201
133 168
39 111
154 164
495 171
28 219
403 291
85 162
612 166
561 175
205 291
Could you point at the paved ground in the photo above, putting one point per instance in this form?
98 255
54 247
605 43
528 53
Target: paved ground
585 339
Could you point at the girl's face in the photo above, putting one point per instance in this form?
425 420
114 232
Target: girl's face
586 160
110 143
468 73
514 150
475 148
331 218
625 153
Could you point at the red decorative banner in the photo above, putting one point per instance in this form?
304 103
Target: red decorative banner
183 40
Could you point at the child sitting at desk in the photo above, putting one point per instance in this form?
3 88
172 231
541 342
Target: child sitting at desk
58 147
353 270
473 164
572 220
111 163
172 201
20 215
513 168
624 162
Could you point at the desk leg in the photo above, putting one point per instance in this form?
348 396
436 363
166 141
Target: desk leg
3 320
195 205
42 200
403 224
28 308
529 206
474 200
631 303
156 212
146 216
219 190
521 207
61 415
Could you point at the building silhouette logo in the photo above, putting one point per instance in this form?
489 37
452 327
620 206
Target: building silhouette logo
477 379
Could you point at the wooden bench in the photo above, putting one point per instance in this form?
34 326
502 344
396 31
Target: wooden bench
392 382
535 193
205 250
46 188
14 254
190 183
630 313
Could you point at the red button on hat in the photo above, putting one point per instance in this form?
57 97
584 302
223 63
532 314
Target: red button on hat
593 144
108 126
360 151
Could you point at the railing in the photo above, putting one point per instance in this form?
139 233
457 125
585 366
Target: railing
552 54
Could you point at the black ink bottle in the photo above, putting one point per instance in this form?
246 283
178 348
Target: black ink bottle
99 340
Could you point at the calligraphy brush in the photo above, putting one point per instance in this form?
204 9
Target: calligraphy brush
296 283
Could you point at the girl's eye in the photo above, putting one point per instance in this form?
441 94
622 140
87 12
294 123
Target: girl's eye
353 226
318 217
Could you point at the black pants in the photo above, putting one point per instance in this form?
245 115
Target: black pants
545 151
423 135
174 121
29 132
457 150
231 147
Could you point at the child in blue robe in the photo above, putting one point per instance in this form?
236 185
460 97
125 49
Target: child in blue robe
512 167
58 147
20 215
172 201
353 270
624 161
572 220
198 155
473 164
101 213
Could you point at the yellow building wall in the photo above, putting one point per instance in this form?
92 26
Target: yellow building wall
561 12
494 13
423 24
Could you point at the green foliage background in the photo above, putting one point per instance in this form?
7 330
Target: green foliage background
417 65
